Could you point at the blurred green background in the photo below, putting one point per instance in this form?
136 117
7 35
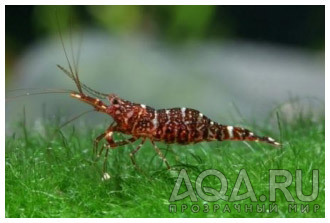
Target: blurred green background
297 26
226 61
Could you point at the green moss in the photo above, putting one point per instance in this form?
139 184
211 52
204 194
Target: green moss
59 177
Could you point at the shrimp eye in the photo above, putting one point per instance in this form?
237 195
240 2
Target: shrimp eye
115 101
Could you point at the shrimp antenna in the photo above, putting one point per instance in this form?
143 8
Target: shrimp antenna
84 86
46 91
71 73
75 73
74 118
